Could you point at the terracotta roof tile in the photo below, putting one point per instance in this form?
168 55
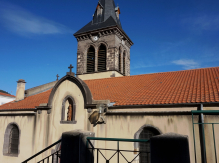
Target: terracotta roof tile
189 86
5 94
29 102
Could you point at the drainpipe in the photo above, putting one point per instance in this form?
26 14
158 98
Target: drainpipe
202 135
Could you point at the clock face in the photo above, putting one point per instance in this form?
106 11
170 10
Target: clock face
95 38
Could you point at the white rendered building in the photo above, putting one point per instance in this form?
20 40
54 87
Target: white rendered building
5 98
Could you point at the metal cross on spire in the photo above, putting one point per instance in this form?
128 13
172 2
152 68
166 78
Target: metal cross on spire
57 77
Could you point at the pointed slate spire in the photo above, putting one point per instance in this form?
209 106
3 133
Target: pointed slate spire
104 16
108 9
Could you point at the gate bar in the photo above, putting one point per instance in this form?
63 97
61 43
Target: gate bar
214 144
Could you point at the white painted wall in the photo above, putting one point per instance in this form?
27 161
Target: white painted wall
5 99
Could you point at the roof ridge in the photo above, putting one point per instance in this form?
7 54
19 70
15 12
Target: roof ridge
40 85
5 94
40 92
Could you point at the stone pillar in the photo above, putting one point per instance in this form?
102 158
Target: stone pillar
20 90
96 59
73 148
170 148
110 63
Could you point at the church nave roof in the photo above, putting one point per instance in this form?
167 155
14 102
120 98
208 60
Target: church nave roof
178 87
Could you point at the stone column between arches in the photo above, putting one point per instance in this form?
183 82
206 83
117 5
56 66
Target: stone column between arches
110 61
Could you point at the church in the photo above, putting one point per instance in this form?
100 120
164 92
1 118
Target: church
103 98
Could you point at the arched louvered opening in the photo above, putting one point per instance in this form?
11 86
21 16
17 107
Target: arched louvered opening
13 140
124 63
120 60
102 58
146 133
91 59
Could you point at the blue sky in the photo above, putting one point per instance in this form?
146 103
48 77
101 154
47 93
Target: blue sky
36 40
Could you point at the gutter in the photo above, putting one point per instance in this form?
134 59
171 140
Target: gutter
18 114
7 110
211 104
155 113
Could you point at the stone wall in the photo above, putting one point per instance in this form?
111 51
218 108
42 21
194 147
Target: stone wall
112 43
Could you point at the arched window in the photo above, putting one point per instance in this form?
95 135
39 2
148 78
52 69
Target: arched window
91 59
120 59
11 140
124 63
102 58
68 110
146 133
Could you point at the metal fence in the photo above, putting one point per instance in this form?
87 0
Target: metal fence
117 151
54 157
204 112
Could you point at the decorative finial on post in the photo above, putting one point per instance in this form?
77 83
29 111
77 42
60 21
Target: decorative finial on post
70 68
57 77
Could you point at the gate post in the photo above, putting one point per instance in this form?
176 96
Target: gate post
170 148
74 149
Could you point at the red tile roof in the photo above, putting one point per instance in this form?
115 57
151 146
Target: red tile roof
189 86
29 102
5 94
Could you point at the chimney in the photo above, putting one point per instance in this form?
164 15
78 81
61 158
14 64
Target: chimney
20 90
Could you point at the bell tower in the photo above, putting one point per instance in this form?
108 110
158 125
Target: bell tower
103 47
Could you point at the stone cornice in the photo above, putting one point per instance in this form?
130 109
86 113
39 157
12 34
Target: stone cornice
104 32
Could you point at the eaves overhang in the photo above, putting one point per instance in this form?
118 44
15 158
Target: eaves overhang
9 110
205 104
97 30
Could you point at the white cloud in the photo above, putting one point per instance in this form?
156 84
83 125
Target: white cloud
186 63
23 22
144 65
202 23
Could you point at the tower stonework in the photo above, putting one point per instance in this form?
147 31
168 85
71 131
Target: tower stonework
103 47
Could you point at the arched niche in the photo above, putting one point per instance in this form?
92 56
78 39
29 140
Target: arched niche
90 59
12 140
101 58
67 101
